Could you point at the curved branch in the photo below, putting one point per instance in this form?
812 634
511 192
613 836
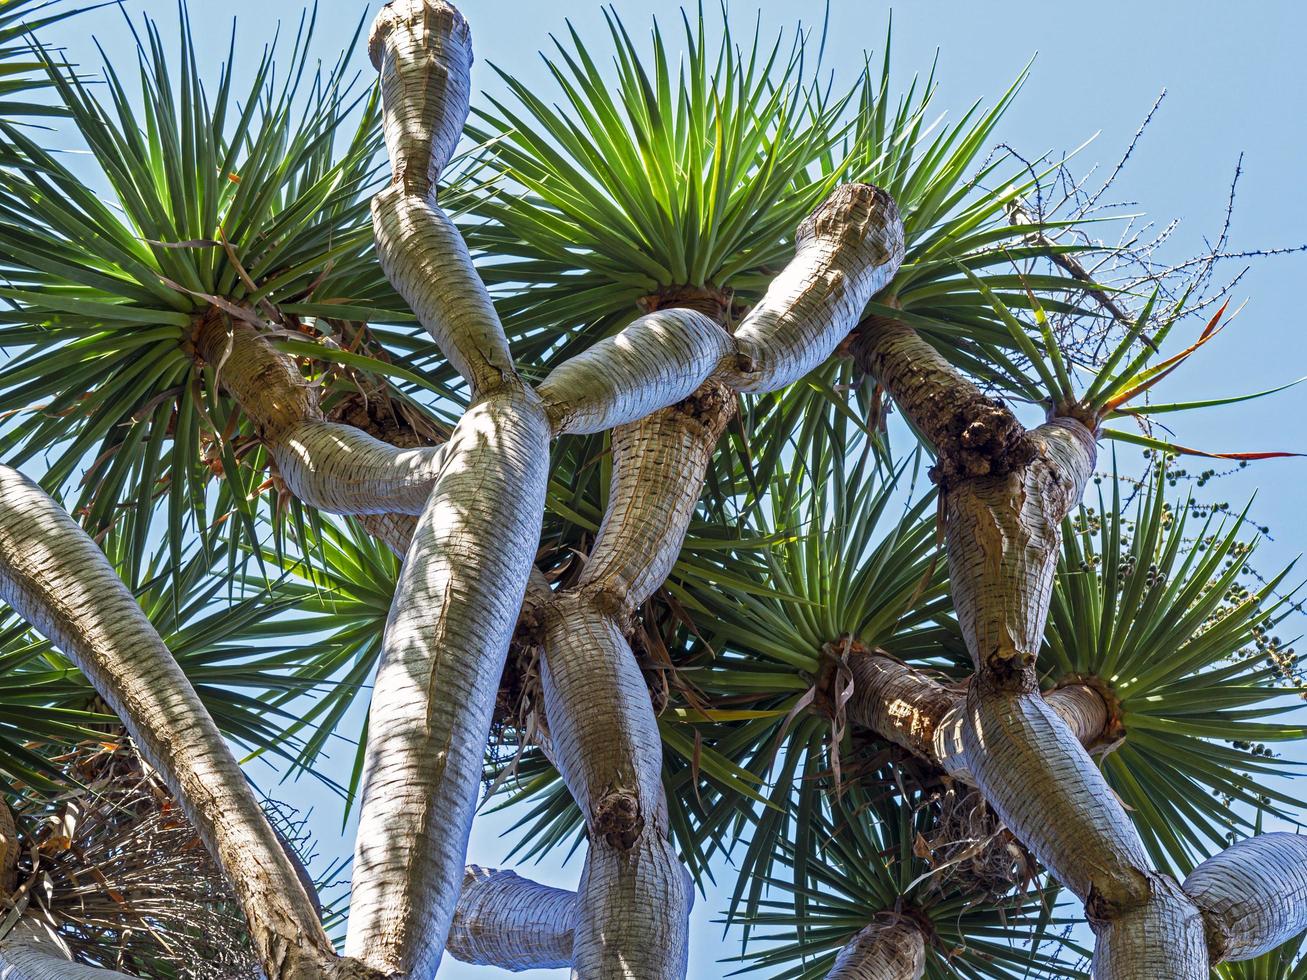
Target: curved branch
656 360
337 468
423 50
914 710
59 581
1253 895
847 250
973 435
634 894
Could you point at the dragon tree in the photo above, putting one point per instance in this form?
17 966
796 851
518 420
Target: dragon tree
559 430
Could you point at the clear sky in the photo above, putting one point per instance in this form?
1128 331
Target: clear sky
1236 83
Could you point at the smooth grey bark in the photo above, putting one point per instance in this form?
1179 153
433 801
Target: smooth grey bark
57 579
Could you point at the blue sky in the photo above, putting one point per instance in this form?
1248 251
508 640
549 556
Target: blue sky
1235 83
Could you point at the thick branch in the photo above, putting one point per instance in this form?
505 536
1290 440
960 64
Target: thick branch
634 894
1253 895
1005 494
972 433
914 710
1004 534
655 361
336 468
59 581
423 50
883 950
455 606
512 922
395 531
845 251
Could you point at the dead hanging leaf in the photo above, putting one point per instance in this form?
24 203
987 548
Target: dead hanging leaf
922 849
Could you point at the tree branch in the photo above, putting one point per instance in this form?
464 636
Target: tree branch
336 468
512 922
59 581
1253 895
467 566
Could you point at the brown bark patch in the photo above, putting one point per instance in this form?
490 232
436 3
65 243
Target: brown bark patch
1101 907
974 435
617 818
711 406
714 302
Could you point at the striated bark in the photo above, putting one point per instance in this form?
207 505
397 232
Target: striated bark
634 894
446 640
423 50
845 251
395 531
512 922
973 434
467 565
336 468
914 710
892 950
657 360
1161 939
1253 895
9 851
1005 493
59 581
32 951
1003 537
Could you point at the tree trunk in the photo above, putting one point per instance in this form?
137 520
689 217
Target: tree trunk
467 565
634 895
1005 494
59 581
446 640
882 951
